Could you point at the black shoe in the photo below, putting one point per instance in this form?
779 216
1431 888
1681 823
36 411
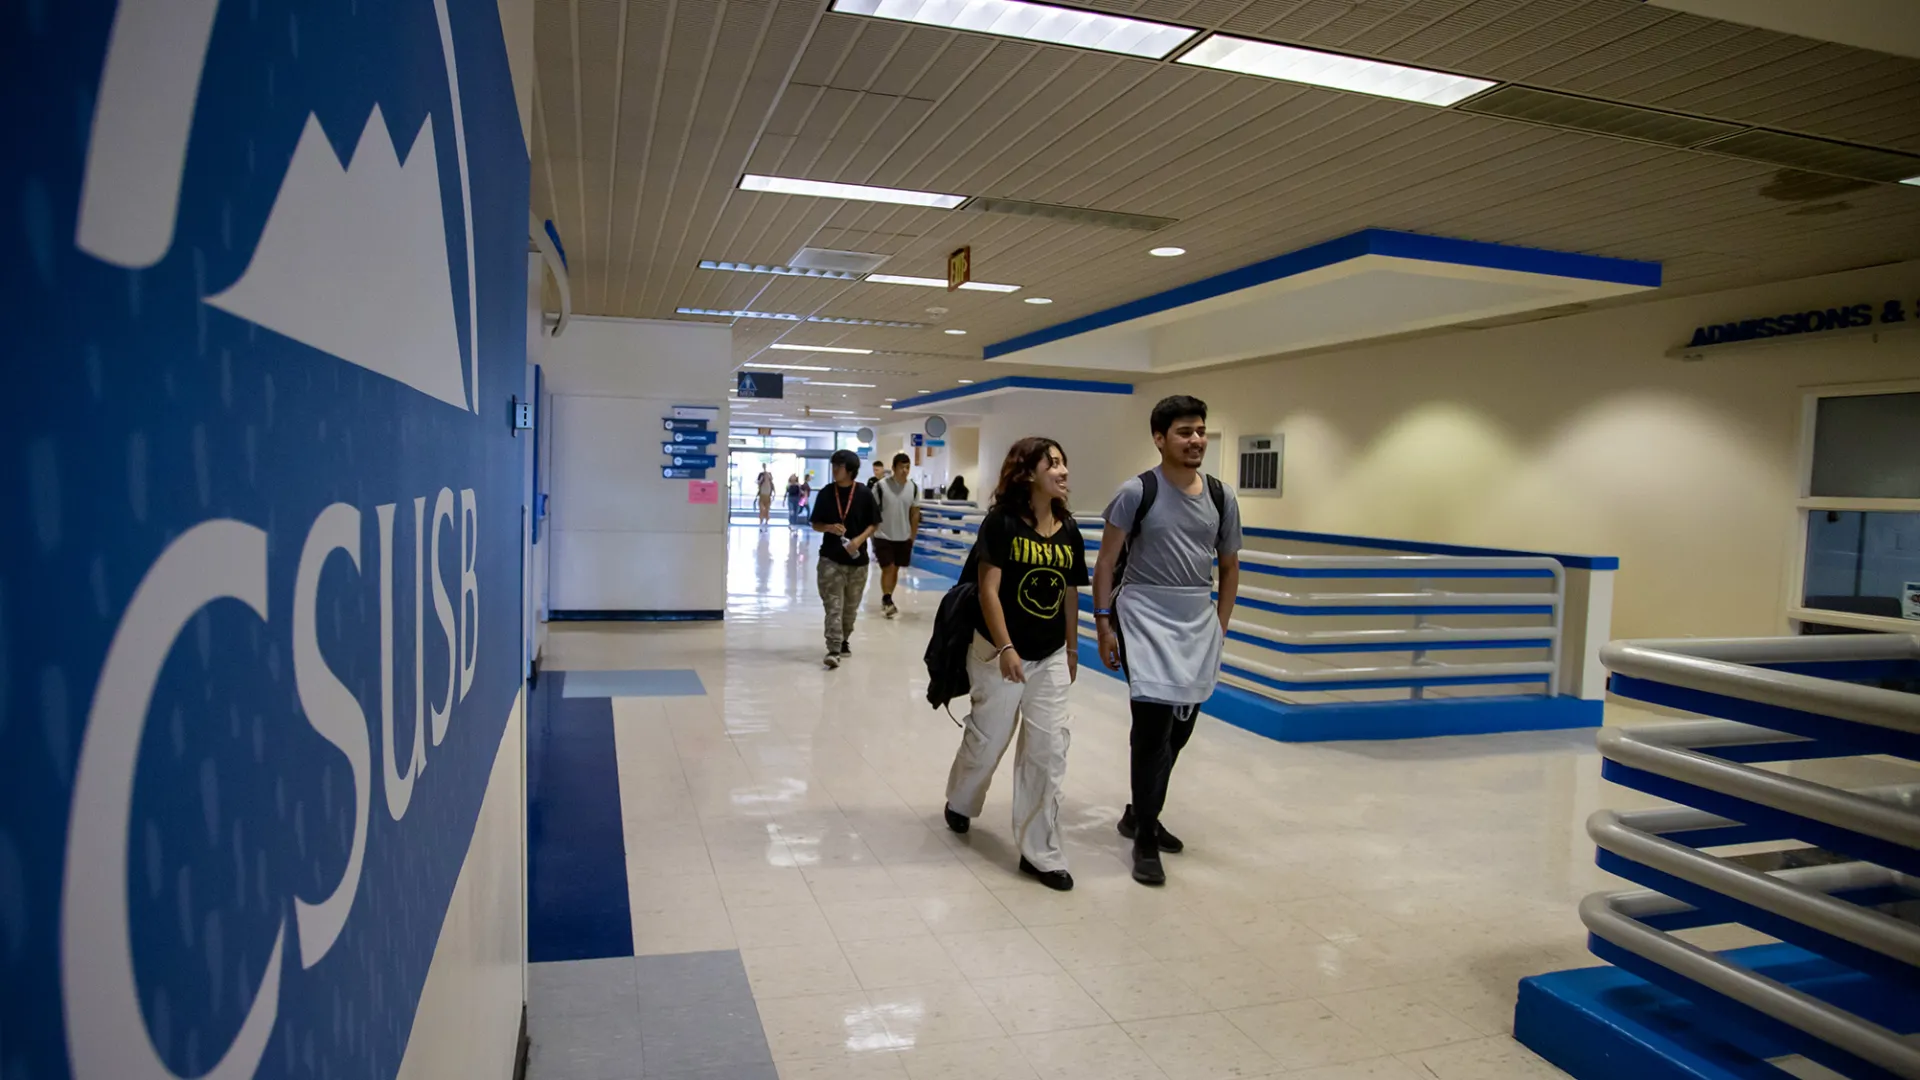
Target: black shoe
958 822
1057 880
1146 865
1168 841
846 648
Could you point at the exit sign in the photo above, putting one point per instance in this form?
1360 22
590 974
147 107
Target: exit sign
959 268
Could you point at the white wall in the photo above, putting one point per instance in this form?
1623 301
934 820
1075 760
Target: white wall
1575 434
1091 428
624 539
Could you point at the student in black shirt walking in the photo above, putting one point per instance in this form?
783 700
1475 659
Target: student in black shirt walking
845 513
1024 655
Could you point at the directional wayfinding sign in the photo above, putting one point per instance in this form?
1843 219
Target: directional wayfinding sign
687 442
674 424
671 472
694 438
696 461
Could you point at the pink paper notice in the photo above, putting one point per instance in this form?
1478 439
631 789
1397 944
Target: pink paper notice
703 491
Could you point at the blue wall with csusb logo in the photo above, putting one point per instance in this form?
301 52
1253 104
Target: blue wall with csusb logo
266 520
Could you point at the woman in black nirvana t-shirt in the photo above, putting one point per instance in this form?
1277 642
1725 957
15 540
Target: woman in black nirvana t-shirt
1024 655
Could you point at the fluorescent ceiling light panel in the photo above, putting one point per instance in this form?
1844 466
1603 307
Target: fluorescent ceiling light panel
855 385
1031 22
1335 72
784 347
784 367
1039 300
1914 180
722 314
939 283
822 189
1167 252
835 412
781 271
863 322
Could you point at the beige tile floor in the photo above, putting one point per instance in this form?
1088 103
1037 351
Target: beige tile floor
1355 911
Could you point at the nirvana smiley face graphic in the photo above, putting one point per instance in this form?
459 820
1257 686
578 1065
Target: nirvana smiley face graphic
1040 591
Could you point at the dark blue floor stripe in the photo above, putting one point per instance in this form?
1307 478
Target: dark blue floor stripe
577 906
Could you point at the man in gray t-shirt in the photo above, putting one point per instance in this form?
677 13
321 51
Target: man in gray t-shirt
1161 610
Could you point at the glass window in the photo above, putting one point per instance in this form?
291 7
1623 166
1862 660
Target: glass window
1867 447
1863 563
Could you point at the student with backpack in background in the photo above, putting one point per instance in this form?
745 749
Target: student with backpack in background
899 500
1154 610
1030 562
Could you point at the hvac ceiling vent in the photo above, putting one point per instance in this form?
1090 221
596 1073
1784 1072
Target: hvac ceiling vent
1078 215
1260 460
1818 155
850 262
1602 117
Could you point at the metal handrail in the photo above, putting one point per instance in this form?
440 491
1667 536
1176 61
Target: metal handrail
946 544
1683 752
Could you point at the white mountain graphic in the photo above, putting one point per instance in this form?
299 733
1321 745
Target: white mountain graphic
353 261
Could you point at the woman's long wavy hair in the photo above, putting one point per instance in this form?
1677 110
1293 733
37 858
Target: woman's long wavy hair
1014 494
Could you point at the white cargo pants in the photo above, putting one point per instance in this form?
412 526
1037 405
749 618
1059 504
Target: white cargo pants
1038 708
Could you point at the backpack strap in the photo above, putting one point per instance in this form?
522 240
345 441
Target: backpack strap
1149 490
1218 491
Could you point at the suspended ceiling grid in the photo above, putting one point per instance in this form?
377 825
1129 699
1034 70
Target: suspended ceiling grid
648 111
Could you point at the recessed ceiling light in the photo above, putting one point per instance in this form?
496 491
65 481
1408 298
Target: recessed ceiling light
1914 180
1039 300
834 412
784 367
923 391
966 382
957 333
893 399
856 385
822 189
784 347
782 271
729 314
1031 22
1333 71
1167 252
939 283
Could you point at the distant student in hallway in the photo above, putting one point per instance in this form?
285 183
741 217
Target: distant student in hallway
879 474
765 494
845 514
899 523
1024 656
957 491
794 498
1163 623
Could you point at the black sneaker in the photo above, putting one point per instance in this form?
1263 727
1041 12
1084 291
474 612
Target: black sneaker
1146 865
1168 842
846 648
957 821
1057 880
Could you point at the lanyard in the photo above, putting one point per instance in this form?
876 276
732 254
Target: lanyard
836 502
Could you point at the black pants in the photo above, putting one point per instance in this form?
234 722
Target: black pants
1157 739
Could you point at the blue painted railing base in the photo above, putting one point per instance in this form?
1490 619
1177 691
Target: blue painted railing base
1385 719
1602 1023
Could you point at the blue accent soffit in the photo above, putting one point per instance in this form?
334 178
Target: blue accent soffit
1018 382
1437 249
1571 562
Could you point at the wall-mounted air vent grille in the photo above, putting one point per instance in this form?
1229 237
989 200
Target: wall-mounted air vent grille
1604 117
1260 460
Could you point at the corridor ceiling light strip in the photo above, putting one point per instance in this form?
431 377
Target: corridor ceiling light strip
822 189
725 314
939 283
785 347
1032 22
1914 180
855 385
864 322
784 367
1288 64
782 271
833 412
